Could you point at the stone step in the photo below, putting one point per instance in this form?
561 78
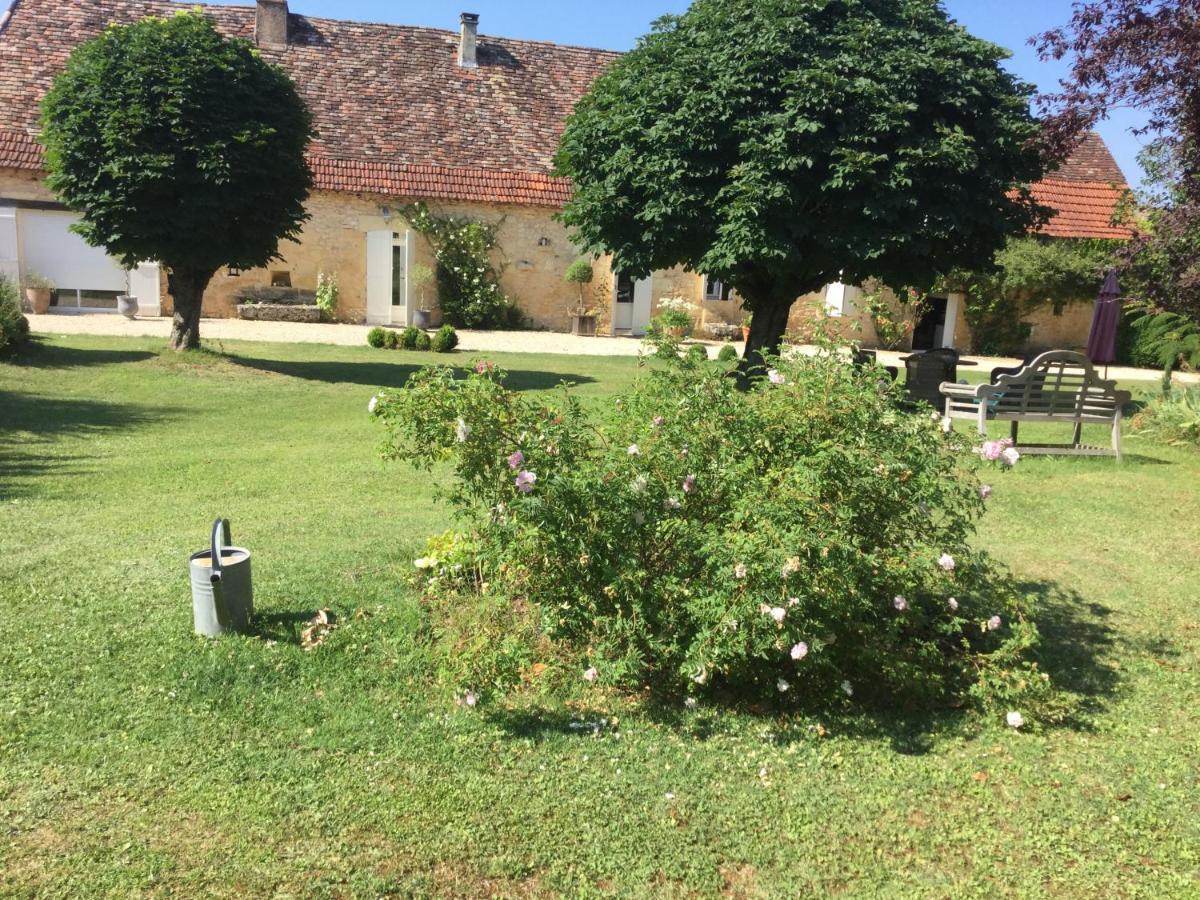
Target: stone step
277 295
279 312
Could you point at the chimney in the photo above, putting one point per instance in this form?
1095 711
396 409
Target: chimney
271 24
469 37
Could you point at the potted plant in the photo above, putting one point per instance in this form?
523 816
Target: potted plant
37 292
746 328
420 277
583 320
675 316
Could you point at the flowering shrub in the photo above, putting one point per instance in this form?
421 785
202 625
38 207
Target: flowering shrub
804 540
469 290
327 296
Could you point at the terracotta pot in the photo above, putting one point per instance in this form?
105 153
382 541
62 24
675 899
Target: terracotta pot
746 333
39 300
677 331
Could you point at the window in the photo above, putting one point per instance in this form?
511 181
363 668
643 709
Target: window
715 290
83 298
624 288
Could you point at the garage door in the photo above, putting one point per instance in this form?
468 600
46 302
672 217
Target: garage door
85 277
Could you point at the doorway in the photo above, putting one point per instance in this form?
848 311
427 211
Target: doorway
936 328
631 304
388 261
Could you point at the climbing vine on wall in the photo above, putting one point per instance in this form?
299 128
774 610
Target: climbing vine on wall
469 291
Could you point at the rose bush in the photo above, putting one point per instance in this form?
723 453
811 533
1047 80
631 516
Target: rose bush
805 540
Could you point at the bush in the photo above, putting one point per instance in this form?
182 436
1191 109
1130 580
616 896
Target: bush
327 296
802 541
697 353
1173 418
727 353
408 337
444 340
377 337
422 341
392 339
14 327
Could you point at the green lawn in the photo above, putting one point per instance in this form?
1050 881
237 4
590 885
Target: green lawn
135 758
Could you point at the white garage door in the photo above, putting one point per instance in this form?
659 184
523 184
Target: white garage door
85 277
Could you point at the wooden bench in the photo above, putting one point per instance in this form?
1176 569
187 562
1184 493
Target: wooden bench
1057 386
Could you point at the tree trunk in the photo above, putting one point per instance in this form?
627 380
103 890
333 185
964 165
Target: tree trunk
187 290
767 327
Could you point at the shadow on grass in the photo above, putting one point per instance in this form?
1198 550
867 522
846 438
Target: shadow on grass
393 375
1077 651
40 355
30 426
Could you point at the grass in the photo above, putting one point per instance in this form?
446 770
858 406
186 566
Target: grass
135 758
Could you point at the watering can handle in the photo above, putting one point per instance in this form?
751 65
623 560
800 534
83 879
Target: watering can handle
220 540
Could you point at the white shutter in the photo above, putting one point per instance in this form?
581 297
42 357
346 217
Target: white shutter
379 277
9 261
55 252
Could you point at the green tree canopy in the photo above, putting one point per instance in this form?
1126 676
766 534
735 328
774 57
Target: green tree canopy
780 145
180 146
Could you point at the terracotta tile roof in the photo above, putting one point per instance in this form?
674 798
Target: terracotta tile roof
397 116
394 113
1085 208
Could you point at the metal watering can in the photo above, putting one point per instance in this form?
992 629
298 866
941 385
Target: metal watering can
222 596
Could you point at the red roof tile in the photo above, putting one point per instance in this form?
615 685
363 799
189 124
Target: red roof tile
393 110
395 114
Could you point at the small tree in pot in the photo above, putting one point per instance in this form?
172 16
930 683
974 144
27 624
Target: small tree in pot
37 292
180 146
583 321
420 276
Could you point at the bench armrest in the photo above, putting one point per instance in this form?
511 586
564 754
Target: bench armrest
974 392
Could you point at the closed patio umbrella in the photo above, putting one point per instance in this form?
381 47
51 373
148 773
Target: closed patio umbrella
1102 340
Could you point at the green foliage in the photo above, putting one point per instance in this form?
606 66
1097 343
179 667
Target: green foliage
777 544
781 145
697 354
894 317
1030 273
444 340
469 289
420 276
14 327
37 282
1173 418
727 353
327 295
377 337
392 339
422 342
408 337
1169 340
178 145
579 272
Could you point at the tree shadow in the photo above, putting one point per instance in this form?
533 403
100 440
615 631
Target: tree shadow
31 426
1078 651
39 355
392 375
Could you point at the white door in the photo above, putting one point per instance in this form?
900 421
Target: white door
387 278
631 305
84 277
8 244
145 283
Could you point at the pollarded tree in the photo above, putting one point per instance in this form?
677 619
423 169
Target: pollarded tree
179 146
780 145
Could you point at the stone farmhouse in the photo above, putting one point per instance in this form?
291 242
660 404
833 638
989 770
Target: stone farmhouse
467 123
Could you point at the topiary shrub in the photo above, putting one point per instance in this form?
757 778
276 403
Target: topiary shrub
444 340
392 339
14 327
697 354
803 541
377 337
727 353
408 338
422 342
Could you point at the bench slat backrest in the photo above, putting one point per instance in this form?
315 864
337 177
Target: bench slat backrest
1061 384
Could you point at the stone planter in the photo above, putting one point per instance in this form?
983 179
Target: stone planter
583 325
127 306
38 300
423 319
